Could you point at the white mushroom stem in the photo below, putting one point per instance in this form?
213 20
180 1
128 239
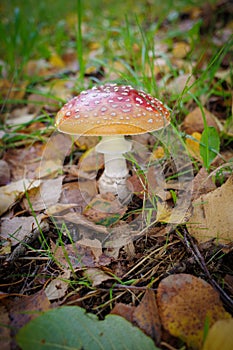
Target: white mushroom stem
116 173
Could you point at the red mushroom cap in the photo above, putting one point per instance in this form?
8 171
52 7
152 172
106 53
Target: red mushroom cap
112 109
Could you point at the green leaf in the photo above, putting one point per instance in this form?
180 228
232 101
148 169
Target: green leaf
70 327
209 145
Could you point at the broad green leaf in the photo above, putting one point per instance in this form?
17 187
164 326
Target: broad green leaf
209 145
70 327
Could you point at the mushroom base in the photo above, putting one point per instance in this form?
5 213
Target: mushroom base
117 186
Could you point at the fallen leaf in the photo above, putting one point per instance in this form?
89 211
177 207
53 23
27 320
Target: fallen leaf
73 256
181 83
4 173
81 330
180 49
80 193
58 287
5 332
219 336
97 276
124 310
17 228
28 308
193 121
212 215
81 221
146 316
105 210
56 61
186 305
95 246
24 161
193 145
10 193
202 184
53 155
45 196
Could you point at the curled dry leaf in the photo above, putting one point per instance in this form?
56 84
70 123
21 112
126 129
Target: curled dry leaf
212 215
185 304
220 336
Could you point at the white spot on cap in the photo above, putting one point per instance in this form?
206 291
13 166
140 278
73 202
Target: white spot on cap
150 120
68 114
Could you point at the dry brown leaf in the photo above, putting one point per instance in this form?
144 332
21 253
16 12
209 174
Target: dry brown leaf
25 309
5 332
80 193
59 208
219 336
202 184
185 304
81 221
97 276
45 196
4 173
193 122
10 193
17 228
95 246
104 209
24 161
124 310
146 316
58 287
178 84
212 215
73 255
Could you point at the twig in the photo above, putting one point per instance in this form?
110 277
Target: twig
192 247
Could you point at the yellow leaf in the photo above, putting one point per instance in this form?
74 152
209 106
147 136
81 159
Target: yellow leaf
193 145
180 49
187 304
220 336
56 61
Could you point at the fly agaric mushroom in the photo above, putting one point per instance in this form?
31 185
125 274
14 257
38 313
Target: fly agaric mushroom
112 111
